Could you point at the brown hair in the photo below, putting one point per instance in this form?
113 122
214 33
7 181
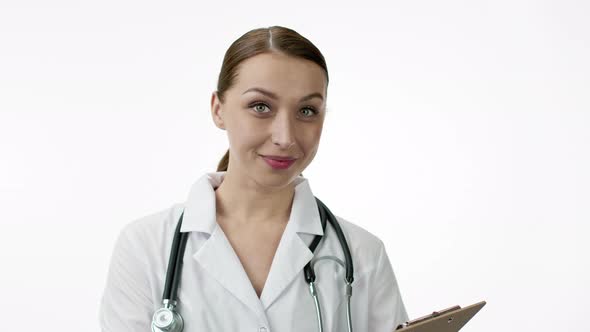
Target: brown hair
263 40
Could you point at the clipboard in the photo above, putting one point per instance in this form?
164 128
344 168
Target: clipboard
447 320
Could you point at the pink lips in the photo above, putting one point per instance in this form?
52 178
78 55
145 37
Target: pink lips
279 162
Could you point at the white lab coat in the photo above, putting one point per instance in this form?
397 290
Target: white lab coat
215 293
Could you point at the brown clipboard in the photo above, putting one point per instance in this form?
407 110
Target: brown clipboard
447 320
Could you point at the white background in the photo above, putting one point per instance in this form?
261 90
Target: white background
460 131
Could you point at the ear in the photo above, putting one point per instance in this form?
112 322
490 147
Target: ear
217 111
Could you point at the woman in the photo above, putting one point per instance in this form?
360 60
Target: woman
251 222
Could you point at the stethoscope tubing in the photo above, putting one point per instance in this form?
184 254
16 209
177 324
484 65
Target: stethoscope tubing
342 239
179 241
175 262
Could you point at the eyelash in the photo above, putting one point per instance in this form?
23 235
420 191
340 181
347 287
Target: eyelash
315 112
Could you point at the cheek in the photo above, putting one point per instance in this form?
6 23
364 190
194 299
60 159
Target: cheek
245 134
242 138
312 137
311 142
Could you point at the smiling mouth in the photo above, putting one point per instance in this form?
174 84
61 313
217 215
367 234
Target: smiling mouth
279 158
278 164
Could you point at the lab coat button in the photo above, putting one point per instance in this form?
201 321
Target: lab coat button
262 329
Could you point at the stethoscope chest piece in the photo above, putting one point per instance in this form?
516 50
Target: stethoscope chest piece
167 320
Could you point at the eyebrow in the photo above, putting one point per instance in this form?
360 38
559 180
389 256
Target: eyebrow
274 96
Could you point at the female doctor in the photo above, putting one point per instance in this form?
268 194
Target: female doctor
248 227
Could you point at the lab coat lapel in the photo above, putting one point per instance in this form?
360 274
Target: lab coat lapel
293 253
216 255
219 259
291 256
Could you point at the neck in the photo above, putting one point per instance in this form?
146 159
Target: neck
246 202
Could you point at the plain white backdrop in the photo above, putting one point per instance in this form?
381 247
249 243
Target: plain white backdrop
457 131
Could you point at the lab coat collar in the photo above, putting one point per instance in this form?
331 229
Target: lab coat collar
291 256
200 212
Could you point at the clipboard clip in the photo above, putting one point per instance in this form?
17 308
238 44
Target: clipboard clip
427 317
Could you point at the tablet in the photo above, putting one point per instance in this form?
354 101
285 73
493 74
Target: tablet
448 320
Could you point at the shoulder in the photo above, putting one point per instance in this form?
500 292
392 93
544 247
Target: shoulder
149 231
366 248
360 237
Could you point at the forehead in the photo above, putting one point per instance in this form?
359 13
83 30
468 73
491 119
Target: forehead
283 74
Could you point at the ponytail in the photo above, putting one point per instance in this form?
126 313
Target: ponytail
222 166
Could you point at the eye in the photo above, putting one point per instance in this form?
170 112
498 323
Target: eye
254 106
259 108
313 111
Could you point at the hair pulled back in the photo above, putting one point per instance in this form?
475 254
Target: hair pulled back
263 40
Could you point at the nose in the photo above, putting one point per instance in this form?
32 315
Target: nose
283 130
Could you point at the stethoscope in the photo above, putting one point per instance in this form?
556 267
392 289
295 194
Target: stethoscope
168 319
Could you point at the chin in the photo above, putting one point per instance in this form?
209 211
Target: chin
276 179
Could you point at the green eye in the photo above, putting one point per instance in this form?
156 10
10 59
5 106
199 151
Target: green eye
259 108
314 112
258 104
